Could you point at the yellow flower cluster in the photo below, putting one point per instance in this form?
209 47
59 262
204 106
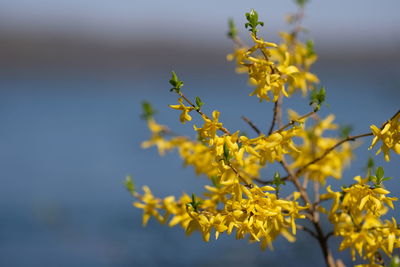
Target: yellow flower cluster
314 145
267 76
300 56
355 214
231 162
389 135
279 69
220 156
236 202
252 212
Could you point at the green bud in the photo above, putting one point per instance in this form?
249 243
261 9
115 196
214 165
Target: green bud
395 261
175 82
226 152
129 185
278 182
317 97
310 48
195 204
370 163
199 103
148 111
252 18
301 3
232 33
379 173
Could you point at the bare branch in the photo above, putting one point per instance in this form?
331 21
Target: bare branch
252 125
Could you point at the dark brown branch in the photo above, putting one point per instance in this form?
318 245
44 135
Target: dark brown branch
252 125
276 109
329 150
328 235
307 230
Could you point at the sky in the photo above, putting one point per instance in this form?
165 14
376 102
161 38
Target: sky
123 20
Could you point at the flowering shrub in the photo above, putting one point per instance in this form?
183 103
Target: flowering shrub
238 200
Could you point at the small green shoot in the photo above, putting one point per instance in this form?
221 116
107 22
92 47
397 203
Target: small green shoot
175 82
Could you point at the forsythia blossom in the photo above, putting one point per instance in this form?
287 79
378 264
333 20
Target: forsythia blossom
389 135
248 211
314 145
237 200
356 215
185 111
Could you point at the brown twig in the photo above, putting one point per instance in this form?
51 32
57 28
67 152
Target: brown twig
305 229
349 138
200 112
241 178
267 182
294 121
252 125
271 128
313 213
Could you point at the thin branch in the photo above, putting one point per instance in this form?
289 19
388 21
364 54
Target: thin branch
200 112
305 229
252 125
241 178
295 180
267 182
329 150
316 199
328 235
305 182
316 191
279 111
276 106
294 121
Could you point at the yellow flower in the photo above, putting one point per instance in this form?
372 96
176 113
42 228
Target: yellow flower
185 111
389 135
301 58
150 206
157 138
238 55
355 214
314 145
210 126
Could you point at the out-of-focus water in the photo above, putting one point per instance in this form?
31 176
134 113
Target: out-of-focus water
67 142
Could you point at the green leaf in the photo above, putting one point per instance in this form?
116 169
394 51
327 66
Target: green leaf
395 261
317 97
370 163
372 178
379 173
252 18
175 82
226 152
310 48
301 3
195 204
278 182
129 185
199 103
387 179
232 33
148 111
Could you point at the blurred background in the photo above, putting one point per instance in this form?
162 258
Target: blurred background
72 77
